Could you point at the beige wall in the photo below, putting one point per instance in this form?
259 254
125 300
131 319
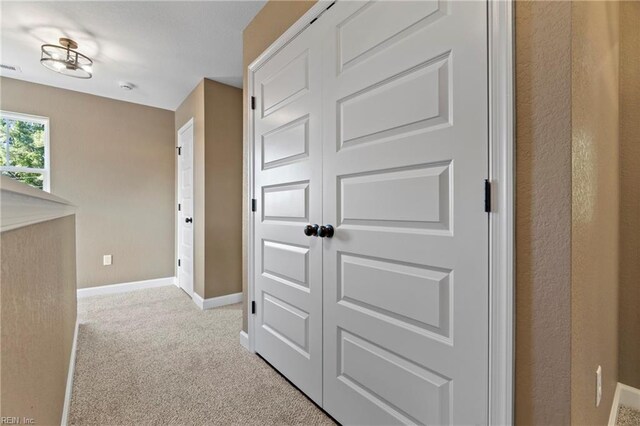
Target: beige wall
595 208
629 297
269 24
223 182
543 212
217 110
114 160
38 308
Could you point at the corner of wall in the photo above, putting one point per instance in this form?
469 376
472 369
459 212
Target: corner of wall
543 212
629 297
223 177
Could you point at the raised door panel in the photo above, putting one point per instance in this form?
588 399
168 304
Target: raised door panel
411 100
357 41
288 201
401 389
287 84
415 197
415 295
287 262
287 323
286 144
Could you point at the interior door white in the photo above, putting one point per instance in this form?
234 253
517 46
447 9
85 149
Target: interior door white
185 208
405 158
288 188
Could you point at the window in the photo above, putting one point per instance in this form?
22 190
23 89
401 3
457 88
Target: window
24 148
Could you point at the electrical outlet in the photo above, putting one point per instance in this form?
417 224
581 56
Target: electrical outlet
598 386
106 260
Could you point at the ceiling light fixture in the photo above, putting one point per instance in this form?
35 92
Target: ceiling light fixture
64 59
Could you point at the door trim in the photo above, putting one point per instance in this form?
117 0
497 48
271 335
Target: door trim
501 219
177 221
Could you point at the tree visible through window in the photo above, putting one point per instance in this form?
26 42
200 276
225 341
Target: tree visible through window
24 141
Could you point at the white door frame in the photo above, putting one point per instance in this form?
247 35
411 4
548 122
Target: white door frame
178 190
501 218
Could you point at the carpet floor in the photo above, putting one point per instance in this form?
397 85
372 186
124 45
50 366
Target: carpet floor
627 416
152 357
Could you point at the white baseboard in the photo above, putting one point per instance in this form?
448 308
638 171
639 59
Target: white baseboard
199 301
125 287
215 302
72 368
625 395
244 340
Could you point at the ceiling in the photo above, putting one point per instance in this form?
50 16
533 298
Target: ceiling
163 47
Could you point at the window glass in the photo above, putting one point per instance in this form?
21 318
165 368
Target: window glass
23 149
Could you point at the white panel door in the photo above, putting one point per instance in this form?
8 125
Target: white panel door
185 212
405 158
288 188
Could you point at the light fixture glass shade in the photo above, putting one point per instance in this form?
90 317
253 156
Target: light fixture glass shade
65 60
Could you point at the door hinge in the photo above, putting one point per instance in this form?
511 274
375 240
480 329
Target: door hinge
254 205
253 307
178 262
487 195
179 148
253 102
316 18
179 207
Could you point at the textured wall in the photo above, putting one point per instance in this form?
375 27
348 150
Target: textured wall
38 304
629 336
269 24
114 160
543 212
216 110
595 208
223 177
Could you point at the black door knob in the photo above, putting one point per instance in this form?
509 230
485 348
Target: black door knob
325 231
189 220
311 230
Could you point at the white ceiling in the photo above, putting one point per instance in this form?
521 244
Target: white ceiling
163 47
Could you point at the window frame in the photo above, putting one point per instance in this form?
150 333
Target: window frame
46 171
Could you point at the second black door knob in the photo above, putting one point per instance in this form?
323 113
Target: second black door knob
325 231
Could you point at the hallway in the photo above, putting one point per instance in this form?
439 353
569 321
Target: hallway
151 357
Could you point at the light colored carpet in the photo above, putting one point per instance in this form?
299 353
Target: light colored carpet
152 357
627 416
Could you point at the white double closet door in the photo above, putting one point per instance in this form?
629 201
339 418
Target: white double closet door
374 120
